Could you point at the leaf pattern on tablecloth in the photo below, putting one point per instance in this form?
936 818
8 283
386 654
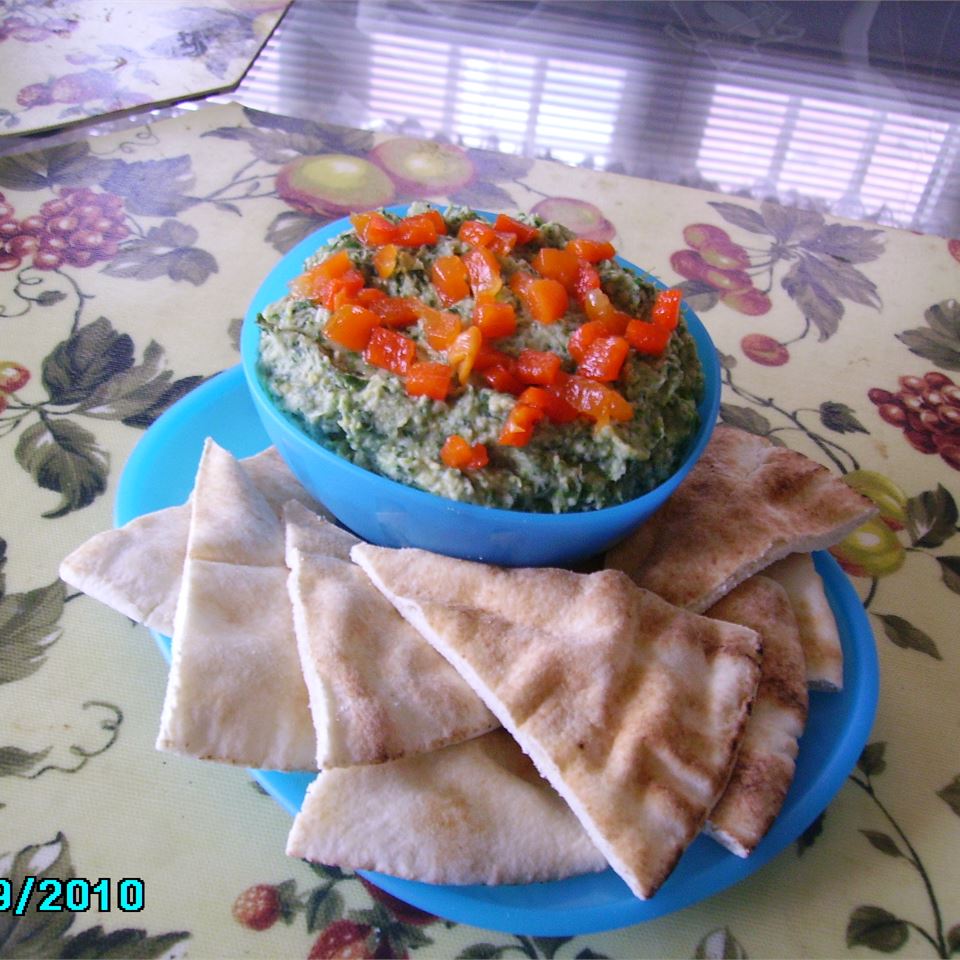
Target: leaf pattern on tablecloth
815 262
93 374
939 340
29 628
874 926
33 932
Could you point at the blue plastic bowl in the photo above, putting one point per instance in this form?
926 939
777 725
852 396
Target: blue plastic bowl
392 514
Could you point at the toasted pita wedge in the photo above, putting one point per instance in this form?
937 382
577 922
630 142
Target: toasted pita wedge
377 690
819 635
745 504
306 532
475 812
235 692
630 707
766 761
136 569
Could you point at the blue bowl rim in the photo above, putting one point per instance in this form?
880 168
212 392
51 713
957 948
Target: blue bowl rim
291 264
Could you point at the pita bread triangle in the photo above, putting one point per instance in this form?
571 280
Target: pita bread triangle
235 692
377 690
819 636
745 504
230 520
766 761
136 569
474 812
631 708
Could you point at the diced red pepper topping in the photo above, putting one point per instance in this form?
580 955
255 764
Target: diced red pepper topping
495 318
595 400
560 265
458 454
522 231
648 338
351 326
666 309
436 217
373 228
477 233
545 299
502 379
593 251
449 276
368 296
597 305
604 358
441 327
396 311
584 335
587 279
538 366
343 289
517 431
418 230
463 351
366 319
552 403
427 379
316 283
385 261
484 270
390 350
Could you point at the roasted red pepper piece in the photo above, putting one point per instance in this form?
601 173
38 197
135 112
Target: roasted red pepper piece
427 379
351 325
538 366
458 454
390 350
604 358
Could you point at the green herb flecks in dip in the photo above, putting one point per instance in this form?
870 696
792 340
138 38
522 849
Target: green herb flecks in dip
364 413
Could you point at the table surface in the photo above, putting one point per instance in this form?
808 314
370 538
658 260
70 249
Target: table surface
839 318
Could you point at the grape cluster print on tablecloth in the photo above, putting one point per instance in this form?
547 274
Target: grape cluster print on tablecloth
78 226
927 409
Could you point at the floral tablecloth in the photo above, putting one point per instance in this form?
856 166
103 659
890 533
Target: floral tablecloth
126 265
69 60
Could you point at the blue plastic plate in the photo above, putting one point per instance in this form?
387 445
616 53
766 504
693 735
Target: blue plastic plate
160 473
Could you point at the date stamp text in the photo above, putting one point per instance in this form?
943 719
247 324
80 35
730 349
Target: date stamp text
51 895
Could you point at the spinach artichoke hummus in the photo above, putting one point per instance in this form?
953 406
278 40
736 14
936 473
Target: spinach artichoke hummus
508 364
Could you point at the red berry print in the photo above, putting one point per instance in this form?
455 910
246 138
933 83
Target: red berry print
953 246
714 259
764 350
13 376
927 409
258 907
343 940
749 301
